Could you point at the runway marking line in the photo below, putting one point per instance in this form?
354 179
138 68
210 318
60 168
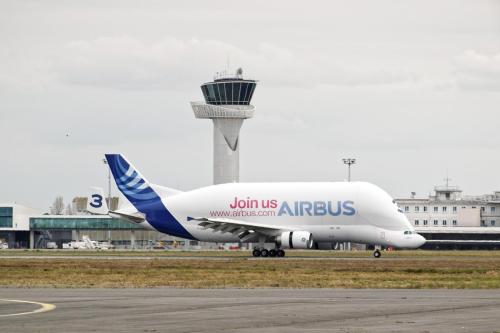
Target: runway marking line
44 307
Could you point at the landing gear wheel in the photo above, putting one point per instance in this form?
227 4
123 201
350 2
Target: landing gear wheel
264 252
272 253
280 253
256 253
377 254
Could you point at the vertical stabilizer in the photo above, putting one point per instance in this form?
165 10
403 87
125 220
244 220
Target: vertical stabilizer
140 193
96 202
129 181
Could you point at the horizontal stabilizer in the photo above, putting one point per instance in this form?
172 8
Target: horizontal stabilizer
132 217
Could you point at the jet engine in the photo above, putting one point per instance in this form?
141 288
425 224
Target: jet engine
295 240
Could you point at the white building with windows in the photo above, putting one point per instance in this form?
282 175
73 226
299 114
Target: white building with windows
448 217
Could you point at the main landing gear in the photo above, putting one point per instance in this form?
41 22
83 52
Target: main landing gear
377 254
268 253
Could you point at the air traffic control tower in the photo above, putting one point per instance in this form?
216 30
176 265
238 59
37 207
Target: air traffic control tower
227 103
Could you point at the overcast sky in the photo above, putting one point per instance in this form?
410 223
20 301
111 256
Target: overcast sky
411 89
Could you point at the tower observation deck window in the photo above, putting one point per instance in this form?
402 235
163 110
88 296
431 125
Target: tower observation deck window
217 93
222 91
243 91
236 91
209 93
228 92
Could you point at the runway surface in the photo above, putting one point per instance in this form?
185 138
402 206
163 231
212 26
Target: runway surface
250 310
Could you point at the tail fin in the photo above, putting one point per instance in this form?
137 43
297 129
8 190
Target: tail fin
129 181
96 203
144 197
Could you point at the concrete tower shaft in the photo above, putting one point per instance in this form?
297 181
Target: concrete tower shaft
227 103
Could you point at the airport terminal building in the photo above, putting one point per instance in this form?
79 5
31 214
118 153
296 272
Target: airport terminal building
24 227
450 220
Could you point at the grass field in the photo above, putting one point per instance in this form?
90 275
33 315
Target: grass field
401 269
417 254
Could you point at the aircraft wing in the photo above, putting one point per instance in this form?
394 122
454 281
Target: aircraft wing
243 229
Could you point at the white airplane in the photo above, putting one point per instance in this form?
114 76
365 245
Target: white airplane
290 215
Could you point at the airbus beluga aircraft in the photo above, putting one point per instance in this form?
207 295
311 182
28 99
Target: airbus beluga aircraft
290 215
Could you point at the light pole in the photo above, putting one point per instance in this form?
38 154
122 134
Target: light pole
109 183
349 162
109 197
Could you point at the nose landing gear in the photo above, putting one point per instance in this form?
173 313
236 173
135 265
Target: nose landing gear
377 254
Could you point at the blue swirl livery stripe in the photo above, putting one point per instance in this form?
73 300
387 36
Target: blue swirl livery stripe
143 197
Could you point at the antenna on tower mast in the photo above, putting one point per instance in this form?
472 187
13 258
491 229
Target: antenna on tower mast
447 180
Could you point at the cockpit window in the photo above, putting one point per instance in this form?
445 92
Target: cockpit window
409 232
395 204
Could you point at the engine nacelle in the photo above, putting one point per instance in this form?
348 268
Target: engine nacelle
295 240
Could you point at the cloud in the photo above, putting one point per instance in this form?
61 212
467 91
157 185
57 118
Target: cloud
130 64
477 71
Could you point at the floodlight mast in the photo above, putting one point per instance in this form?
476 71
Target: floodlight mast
349 162
227 104
109 195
